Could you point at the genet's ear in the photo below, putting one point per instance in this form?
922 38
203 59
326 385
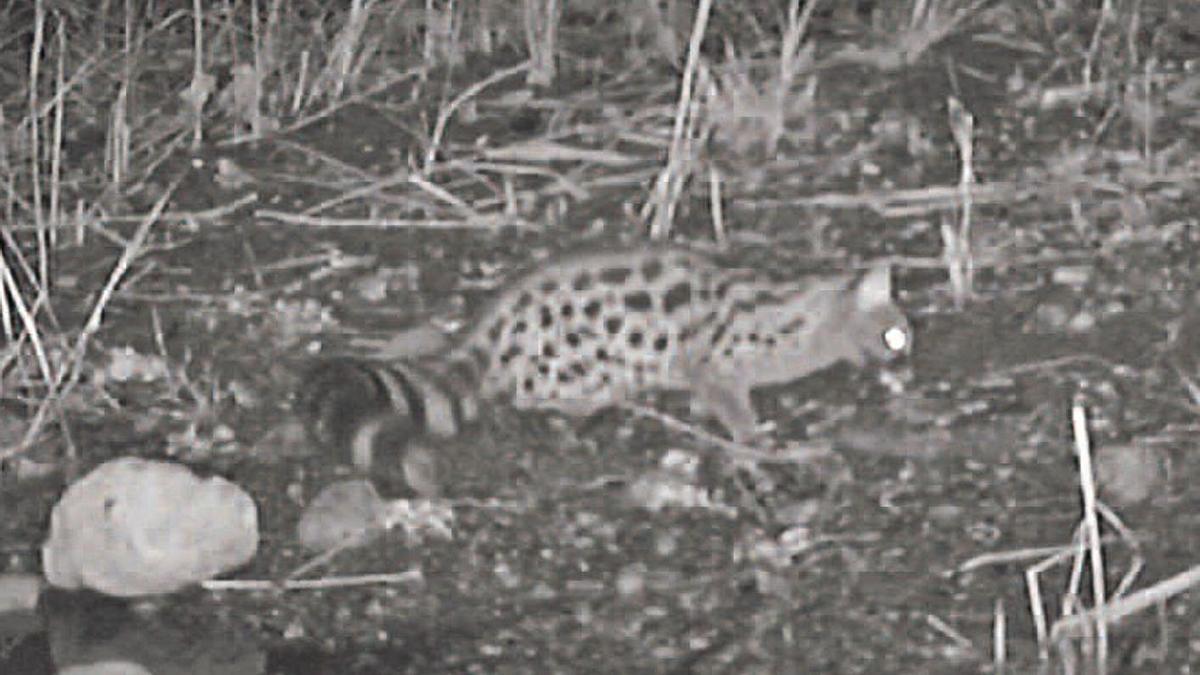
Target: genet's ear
875 287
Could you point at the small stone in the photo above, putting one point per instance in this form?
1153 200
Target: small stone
348 510
19 592
1075 276
1130 474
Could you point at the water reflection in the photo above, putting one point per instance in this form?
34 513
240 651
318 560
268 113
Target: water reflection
88 633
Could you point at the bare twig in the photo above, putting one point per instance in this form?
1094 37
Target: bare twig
670 180
444 115
485 221
739 451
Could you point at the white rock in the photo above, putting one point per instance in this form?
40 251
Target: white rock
136 527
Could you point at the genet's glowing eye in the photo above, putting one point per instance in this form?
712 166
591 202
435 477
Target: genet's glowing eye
896 339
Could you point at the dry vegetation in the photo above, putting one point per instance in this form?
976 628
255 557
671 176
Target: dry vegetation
160 159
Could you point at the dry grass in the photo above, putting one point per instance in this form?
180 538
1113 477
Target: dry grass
705 115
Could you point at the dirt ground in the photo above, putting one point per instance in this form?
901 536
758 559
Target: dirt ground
362 171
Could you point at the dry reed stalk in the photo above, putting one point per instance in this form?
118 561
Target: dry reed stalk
66 378
199 92
35 142
957 243
541 39
669 186
999 636
1091 524
56 142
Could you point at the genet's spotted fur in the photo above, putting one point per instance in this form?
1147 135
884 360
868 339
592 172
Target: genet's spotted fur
583 333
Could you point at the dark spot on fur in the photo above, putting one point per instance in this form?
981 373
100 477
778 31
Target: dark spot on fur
523 301
567 310
695 327
752 338
573 339
582 281
579 368
770 341
718 334
601 354
792 326
547 316
496 329
613 324
615 275
635 338
652 268
764 297
548 350
661 342
745 307
549 286
592 309
677 296
543 368
519 327
528 384
639 301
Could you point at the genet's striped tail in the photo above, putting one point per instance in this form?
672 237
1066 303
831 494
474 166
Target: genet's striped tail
370 412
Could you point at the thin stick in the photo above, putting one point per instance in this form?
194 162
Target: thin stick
444 115
406 577
1090 523
214 213
714 204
